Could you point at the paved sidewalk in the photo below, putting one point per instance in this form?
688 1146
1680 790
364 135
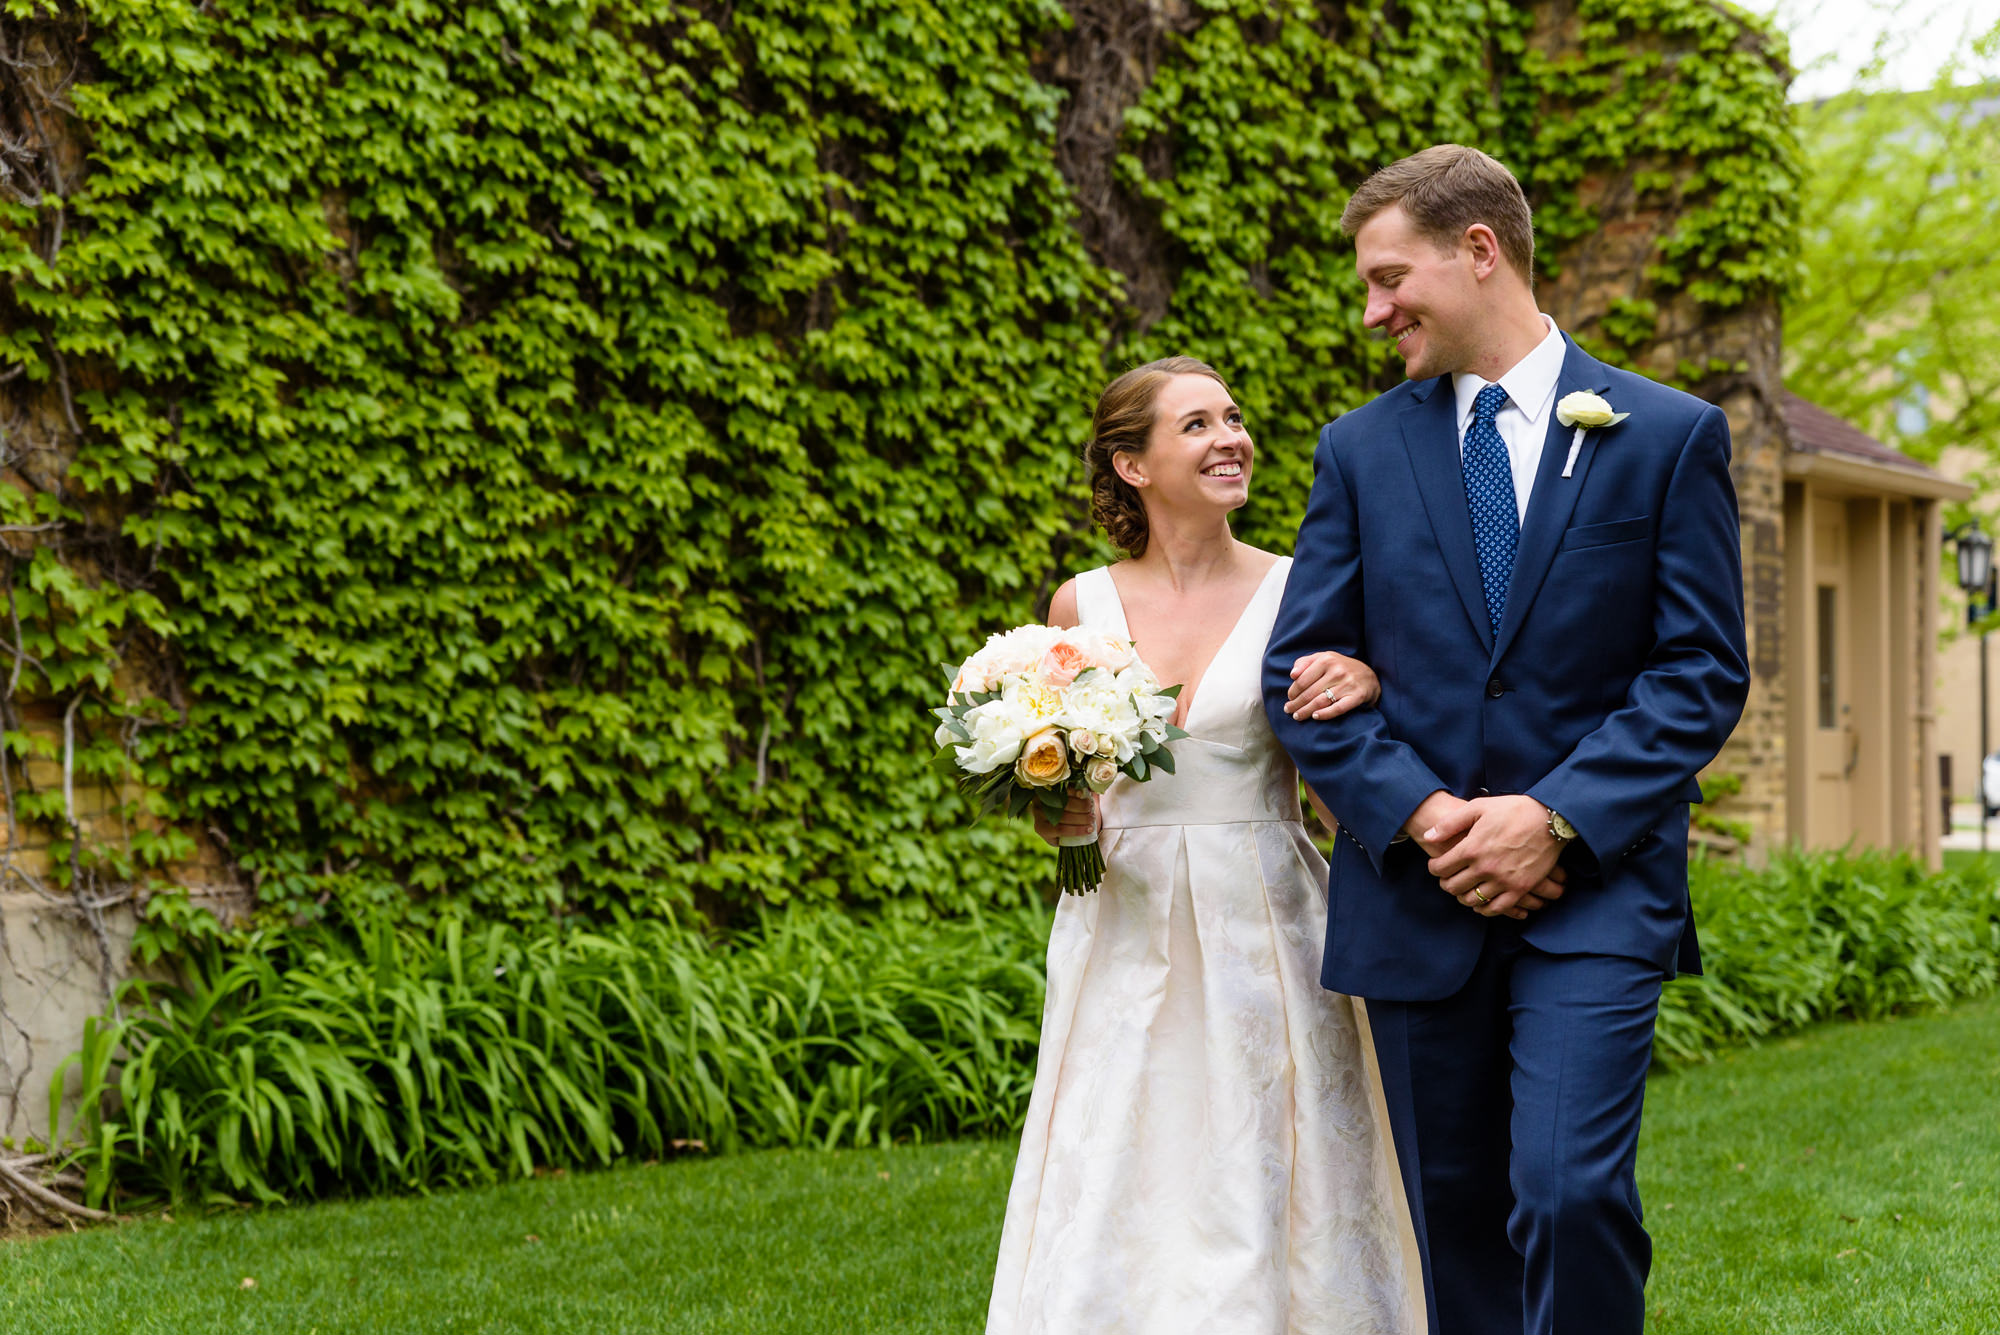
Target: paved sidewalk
1964 831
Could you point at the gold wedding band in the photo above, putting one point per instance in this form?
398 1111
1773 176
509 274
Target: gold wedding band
1481 894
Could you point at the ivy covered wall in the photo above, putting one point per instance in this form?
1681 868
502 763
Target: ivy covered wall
534 455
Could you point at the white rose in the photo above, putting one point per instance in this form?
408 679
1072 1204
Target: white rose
1104 651
1099 773
1082 741
1585 409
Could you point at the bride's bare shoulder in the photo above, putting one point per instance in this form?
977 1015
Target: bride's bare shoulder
1062 607
1265 560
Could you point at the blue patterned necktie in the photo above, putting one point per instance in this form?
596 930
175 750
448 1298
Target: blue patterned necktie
1489 495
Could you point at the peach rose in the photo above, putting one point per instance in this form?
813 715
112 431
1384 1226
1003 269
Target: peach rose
1044 761
1061 663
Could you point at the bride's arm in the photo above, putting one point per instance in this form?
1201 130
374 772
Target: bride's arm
1062 607
1326 817
1327 685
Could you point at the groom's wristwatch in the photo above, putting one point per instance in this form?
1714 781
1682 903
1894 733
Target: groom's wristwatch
1560 829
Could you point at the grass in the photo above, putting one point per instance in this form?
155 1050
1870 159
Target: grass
1843 1181
1971 859
777 1242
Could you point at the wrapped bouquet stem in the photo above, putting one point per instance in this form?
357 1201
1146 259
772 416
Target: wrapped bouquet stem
1040 713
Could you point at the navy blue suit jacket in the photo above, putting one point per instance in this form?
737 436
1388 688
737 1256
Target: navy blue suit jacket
1618 672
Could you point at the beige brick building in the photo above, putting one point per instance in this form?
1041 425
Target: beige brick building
1840 541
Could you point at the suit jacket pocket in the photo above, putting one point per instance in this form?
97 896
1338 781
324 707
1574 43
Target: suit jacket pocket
1603 535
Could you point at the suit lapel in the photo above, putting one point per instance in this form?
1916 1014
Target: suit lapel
1553 499
1430 441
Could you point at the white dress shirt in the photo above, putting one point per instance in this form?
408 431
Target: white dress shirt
1523 421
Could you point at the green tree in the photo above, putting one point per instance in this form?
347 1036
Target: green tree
1894 323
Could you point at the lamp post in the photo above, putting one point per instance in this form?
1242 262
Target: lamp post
1976 579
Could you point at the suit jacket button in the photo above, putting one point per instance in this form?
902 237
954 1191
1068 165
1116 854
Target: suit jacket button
1495 689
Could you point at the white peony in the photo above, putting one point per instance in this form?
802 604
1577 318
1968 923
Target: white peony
1098 705
1137 679
997 734
1036 705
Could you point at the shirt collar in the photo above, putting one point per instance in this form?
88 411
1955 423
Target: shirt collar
1529 385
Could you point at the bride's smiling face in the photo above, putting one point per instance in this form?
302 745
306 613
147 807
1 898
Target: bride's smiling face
1198 456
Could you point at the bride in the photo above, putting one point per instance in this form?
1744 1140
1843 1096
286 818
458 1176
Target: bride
1203 1149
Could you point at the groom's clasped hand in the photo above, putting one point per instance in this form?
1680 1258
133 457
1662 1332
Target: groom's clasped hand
1495 855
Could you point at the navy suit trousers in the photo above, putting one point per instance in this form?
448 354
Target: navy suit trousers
1516 1108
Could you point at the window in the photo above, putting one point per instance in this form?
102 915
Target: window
1913 415
1829 706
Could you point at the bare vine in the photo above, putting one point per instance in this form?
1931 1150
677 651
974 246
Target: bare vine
40 430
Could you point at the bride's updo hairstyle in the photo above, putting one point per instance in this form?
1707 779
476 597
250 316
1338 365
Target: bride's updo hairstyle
1124 424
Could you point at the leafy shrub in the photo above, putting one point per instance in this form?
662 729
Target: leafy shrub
1816 935
323 1059
378 1057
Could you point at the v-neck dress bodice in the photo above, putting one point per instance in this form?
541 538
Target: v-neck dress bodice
1230 769
1204 1150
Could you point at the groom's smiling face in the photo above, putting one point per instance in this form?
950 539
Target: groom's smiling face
1426 298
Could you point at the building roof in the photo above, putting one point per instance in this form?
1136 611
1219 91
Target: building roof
1848 450
1817 431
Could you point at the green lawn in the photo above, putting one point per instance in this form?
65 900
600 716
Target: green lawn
1968 859
1846 1181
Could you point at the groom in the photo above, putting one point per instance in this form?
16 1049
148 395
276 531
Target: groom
1557 618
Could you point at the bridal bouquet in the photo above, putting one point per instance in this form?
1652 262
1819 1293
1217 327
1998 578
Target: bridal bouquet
1040 713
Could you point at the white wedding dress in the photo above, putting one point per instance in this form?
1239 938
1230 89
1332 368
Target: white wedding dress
1204 1149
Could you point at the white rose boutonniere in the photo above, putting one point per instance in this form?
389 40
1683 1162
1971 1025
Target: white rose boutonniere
1584 411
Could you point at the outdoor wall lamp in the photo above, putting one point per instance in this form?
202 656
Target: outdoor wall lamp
1975 577
1975 557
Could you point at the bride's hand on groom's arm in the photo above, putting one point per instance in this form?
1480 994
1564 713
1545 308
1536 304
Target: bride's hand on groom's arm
1498 855
1327 685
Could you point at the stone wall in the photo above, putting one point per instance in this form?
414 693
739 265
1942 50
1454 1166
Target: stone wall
65 941
1732 359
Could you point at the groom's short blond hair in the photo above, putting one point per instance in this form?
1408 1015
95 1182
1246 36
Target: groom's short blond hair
1446 189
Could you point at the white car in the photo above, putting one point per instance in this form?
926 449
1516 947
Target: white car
1989 785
